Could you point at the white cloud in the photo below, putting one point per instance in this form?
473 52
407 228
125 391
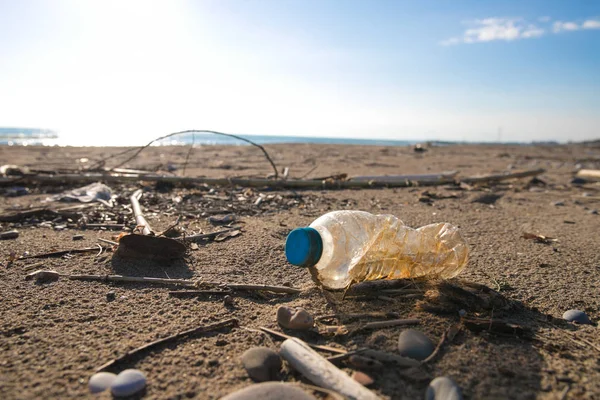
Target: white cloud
490 29
511 29
560 26
591 24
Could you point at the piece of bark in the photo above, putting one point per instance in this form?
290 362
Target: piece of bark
321 372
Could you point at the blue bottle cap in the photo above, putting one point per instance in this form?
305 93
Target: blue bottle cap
303 247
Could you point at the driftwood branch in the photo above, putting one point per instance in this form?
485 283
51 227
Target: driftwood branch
503 177
321 372
203 131
190 332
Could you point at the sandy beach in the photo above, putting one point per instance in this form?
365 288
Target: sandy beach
54 335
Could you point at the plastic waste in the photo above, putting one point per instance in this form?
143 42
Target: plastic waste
346 247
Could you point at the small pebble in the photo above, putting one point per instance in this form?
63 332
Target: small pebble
262 364
578 181
228 301
462 312
414 344
270 391
558 203
9 235
362 378
298 318
77 237
128 382
577 316
101 381
443 388
110 296
593 212
60 227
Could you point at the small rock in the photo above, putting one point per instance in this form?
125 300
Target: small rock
101 381
414 344
228 301
443 388
558 204
128 382
222 219
110 296
298 319
270 391
462 312
578 181
60 227
261 363
577 316
593 212
488 198
9 235
43 276
77 237
362 378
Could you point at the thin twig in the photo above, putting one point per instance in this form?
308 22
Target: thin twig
375 314
282 335
183 293
187 157
267 288
203 131
387 324
437 348
201 329
60 253
108 241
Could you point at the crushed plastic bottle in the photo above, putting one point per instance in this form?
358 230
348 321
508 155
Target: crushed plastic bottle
346 247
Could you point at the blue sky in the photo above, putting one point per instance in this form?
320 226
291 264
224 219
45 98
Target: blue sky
125 71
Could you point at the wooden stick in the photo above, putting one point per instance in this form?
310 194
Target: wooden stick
108 241
387 324
375 314
443 177
391 358
267 288
184 293
201 329
437 348
137 212
282 335
321 372
121 278
60 253
202 236
502 177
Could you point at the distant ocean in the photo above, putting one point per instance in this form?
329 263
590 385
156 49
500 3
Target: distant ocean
45 137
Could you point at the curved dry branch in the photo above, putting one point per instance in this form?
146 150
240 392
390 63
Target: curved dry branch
203 131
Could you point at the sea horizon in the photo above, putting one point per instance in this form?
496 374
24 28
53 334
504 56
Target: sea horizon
46 137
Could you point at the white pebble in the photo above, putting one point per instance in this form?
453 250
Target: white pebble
443 388
128 382
101 381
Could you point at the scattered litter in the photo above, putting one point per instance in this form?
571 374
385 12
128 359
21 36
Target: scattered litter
436 250
87 194
539 238
226 235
